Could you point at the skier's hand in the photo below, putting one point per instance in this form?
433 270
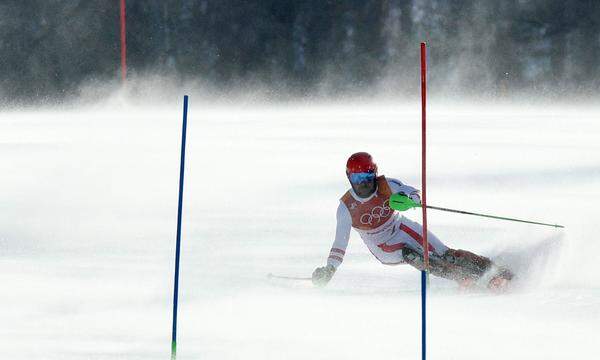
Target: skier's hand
414 196
322 275
401 202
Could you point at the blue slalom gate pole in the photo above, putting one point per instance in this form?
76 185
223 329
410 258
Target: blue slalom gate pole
423 314
178 245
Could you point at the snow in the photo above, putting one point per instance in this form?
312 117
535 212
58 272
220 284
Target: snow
87 232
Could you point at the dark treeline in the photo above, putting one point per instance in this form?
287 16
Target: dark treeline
48 48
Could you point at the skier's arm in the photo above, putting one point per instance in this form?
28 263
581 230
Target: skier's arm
398 187
342 234
322 275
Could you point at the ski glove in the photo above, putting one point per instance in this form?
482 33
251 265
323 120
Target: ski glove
414 196
322 275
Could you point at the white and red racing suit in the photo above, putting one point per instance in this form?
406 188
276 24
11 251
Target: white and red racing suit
382 229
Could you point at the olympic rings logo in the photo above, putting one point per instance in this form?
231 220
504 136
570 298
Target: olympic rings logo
377 214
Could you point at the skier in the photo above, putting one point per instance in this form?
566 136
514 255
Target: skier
392 238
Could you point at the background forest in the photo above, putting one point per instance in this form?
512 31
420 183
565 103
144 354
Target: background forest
49 48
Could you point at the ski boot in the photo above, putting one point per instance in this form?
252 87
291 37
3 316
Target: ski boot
464 267
480 267
500 281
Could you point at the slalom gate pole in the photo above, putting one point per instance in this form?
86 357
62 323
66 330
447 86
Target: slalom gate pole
424 272
178 244
123 43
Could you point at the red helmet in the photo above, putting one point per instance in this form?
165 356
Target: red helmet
360 162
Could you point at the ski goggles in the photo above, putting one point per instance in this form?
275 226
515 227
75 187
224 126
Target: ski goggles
363 177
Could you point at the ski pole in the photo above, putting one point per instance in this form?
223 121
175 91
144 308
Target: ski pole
273 276
402 202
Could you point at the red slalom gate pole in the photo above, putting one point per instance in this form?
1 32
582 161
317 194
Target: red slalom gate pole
123 44
424 147
424 272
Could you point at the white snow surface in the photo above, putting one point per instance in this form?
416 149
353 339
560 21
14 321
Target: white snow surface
89 208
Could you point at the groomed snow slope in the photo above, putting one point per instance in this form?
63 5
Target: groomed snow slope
87 232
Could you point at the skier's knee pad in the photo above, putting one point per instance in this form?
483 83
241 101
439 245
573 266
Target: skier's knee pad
437 265
413 257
